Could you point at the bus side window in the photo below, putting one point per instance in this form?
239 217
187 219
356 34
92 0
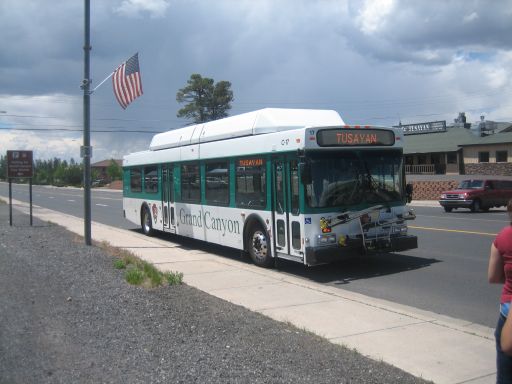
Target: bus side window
251 184
190 183
217 183
151 179
135 180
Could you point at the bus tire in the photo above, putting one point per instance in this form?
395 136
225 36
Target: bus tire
146 223
258 246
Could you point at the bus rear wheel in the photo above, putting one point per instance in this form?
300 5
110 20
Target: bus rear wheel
258 245
146 224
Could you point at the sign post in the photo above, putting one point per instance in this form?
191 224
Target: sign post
19 165
86 150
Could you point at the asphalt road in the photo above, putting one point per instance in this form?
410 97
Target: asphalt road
447 274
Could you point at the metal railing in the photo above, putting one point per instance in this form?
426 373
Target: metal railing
420 169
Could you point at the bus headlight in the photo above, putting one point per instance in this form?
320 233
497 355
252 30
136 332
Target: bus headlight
326 239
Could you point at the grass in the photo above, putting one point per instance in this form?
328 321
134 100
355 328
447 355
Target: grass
174 278
119 264
140 272
134 276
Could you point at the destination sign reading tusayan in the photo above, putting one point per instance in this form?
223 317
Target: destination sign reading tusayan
347 137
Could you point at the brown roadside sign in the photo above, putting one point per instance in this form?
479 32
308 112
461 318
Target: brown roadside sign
19 164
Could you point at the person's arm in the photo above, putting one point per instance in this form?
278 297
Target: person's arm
496 272
506 336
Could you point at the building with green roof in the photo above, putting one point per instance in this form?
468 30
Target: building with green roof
460 149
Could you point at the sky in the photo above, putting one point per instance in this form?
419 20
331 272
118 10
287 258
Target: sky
373 61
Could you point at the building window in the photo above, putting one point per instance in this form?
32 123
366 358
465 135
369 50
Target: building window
217 183
483 157
451 158
501 156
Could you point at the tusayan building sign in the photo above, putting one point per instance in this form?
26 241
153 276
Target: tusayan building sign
19 164
429 127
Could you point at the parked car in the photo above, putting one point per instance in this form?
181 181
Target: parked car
98 183
478 194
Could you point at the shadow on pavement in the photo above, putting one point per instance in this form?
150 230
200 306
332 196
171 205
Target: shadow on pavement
344 272
338 273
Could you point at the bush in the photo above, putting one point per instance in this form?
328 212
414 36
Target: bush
140 272
134 276
119 264
154 275
174 278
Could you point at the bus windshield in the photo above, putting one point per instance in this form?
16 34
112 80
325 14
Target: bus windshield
344 178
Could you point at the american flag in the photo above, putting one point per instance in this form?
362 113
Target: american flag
126 81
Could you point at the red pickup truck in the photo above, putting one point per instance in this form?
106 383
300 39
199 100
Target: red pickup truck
477 195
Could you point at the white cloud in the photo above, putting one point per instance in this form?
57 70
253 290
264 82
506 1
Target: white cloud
373 61
374 14
29 114
471 17
155 8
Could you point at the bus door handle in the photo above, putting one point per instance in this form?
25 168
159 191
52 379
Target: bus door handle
172 215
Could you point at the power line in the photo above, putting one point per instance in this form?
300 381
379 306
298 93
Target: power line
98 119
350 101
353 107
79 130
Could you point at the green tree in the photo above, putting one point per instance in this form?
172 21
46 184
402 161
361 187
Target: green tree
3 167
114 170
73 174
206 101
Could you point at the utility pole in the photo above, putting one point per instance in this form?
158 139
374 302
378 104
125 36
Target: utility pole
86 150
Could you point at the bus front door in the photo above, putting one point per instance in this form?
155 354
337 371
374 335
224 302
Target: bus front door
295 219
286 210
279 208
168 199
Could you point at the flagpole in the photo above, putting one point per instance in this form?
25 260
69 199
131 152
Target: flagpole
86 150
100 84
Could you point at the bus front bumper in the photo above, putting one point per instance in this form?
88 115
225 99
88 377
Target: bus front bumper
353 249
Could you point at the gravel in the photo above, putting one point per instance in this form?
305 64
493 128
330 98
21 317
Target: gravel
68 316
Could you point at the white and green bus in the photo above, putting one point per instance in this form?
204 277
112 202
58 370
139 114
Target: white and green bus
295 184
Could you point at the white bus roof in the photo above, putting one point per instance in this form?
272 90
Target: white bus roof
259 122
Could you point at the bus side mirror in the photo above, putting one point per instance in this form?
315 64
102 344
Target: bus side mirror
408 192
305 173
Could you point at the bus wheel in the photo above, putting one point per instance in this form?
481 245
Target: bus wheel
259 247
147 226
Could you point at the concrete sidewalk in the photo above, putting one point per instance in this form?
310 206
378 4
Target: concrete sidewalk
428 345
